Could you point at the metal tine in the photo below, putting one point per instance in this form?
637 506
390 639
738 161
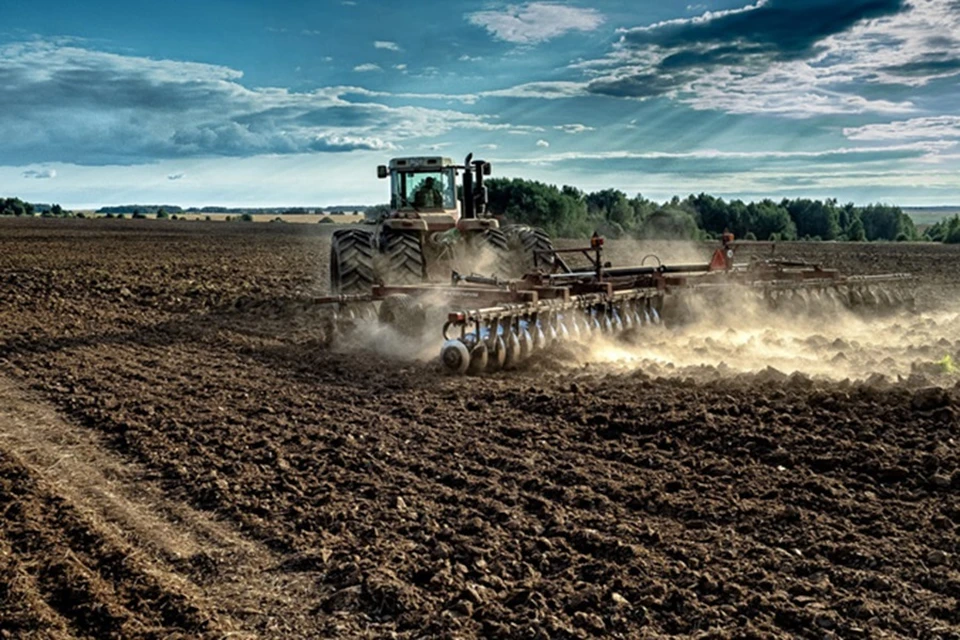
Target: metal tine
513 346
885 299
586 327
553 336
526 340
639 316
539 337
606 324
562 333
572 326
617 322
856 297
655 315
496 347
626 315
595 326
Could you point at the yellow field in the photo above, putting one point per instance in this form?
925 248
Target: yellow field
259 217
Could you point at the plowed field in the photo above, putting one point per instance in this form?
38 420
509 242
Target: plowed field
181 457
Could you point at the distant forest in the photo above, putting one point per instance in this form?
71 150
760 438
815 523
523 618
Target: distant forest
569 212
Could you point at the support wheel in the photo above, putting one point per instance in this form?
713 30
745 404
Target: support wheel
352 269
403 314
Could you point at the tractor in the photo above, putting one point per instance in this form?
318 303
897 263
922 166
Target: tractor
431 229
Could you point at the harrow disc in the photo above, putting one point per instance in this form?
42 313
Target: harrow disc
479 358
497 354
512 356
455 356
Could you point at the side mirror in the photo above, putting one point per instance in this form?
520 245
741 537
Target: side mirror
486 168
382 171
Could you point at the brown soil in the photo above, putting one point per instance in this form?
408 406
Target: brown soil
180 457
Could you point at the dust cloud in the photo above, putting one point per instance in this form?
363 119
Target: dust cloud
737 335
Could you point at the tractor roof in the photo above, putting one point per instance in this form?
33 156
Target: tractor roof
420 163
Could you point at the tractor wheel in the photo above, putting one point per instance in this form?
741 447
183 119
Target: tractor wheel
352 254
404 257
493 250
532 243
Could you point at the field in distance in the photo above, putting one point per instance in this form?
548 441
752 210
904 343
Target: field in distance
302 218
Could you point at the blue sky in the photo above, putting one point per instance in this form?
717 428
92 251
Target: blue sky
295 103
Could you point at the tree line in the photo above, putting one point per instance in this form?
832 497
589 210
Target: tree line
570 212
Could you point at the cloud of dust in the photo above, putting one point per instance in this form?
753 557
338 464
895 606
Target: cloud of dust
629 252
417 338
734 332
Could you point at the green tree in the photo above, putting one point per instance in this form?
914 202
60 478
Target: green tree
540 205
766 218
612 205
814 218
856 232
887 222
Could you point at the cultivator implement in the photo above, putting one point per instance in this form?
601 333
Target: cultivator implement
495 324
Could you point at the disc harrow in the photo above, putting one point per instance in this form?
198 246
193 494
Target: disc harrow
495 324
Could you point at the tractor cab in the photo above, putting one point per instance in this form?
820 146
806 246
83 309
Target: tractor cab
423 194
425 183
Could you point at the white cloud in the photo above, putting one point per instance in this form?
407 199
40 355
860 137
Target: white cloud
489 147
535 22
543 143
700 19
176 176
40 174
386 44
92 107
367 67
932 127
696 62
543 90
573 128
400 67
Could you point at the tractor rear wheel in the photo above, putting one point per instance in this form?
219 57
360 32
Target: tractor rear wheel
404 257
493 251
535 247
352 254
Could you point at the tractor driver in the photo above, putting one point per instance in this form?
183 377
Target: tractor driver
428 195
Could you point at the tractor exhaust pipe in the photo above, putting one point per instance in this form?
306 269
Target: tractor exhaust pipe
469 203
474 193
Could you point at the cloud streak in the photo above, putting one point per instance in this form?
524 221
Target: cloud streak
535 22
40 174
931 128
